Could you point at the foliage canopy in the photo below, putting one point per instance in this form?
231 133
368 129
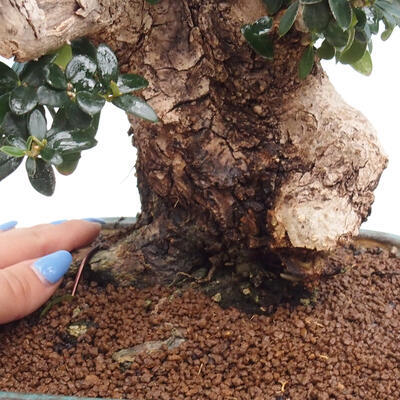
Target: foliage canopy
72 85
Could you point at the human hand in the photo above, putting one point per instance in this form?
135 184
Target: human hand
33 261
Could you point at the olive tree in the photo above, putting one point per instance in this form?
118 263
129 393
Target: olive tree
246 153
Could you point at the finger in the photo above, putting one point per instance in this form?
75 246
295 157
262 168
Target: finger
25 286
27 243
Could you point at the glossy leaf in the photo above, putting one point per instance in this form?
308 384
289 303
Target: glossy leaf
364 64
12 151
288 18
257 36
273 6
41 176
15 125
33 72
310 1
316 16
30 165
341 10
50 155
8 78
306 62
107 64
336 36
8 165
90 103
136 106
70 142
326 51
55 76
80 72
37 124
52 98
63 56
355 52
18 67
79 64
84 47
69 163
22 100
128 83
4 106
70 118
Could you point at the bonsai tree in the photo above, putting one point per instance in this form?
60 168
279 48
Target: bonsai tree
245 150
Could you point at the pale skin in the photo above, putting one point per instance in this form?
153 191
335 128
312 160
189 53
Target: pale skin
21 289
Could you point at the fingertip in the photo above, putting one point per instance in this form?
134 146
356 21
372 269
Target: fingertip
52 267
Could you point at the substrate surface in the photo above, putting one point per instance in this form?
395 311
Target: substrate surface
341 343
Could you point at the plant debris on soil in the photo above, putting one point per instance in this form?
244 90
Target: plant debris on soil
342 341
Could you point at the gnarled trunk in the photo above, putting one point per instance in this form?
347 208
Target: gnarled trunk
246 159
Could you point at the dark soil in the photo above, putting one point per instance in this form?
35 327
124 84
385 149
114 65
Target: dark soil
340 342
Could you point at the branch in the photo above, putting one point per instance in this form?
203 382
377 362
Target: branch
31 28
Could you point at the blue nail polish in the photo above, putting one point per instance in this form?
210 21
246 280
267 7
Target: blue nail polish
58 222
8 225
96 220
53 266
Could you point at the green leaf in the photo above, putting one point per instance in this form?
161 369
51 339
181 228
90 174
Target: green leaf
288 18
80 72
356 50
69 163
152 2
316 16
41 176
136 106
37 125
361 17
4 107
257 36
83 47
79 64
107 63
12 151
66 142
15 125
310 1
8 165
306 62
70 118
63 56
8 79
22 100
336 36
50 155
55 76
326 51
128 83
33 72
52 98
30 165
90 103
341 10
18 67
273 6
364 64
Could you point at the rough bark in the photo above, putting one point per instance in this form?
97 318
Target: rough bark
246 158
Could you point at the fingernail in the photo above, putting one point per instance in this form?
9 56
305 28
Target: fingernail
96 220
53 266
8 225
58 222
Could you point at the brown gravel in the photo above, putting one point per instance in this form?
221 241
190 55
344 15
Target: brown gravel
341 343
